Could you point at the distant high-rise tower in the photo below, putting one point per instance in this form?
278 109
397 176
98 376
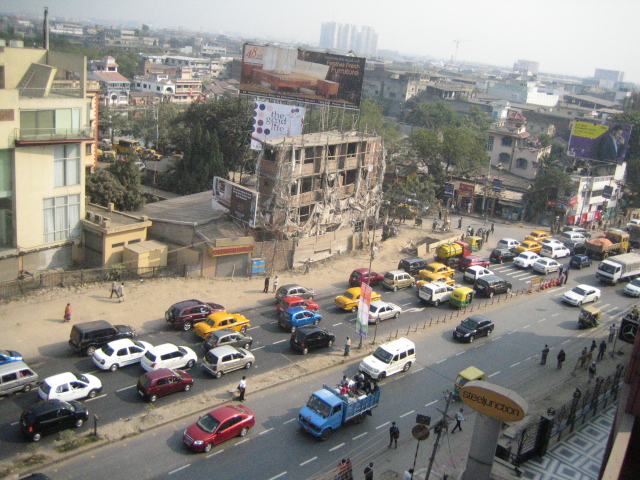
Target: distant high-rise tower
345 37
609 75
527 67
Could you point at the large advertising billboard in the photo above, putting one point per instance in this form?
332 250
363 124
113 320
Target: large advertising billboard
242 202
303 75
272 120
595 140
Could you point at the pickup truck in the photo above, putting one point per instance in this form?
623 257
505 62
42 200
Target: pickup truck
327 410
614 242
293 318
618 269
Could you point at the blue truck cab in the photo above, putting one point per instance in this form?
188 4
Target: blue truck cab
328 409
293 318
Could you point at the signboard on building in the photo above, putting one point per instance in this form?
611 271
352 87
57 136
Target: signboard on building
449 189
362 324
273 120
497 185
297 74
596 140
607 192
494 401
242 202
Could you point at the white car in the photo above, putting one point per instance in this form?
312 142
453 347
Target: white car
551 241
581 294
526 259
69 386
546 265
633 288
168 355
379 311
634 221
120 353
472 274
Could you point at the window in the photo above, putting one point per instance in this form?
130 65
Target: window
521 163
61 218
489 143
117 245
507 141
351 177
308 155
133 241
504 158
6 198
352 148
37 123
66 165
87 149
307 184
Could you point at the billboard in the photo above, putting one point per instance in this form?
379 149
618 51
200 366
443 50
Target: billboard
242 202
596 140
303 75
272 120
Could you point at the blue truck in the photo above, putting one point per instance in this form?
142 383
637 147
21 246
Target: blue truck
328 409
295 317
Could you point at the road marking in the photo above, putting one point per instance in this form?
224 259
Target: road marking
178 469
125 388
414 309
431 403
602 307
354 438
253 328
14 423
542 320
512 331
514 365
308 461
268 430
443 360
242 441
214 453
408 413
405 304
496 338
494 374
416 371
272 323
555 314
279 475
582 334
279 341
460 353
289 421
566 341
526 326
383 425
257 348
336 324
336 447
95 398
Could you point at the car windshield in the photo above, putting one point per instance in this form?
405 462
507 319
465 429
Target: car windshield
45 388
469 324
286 316
208 423
150 356
579 291
107 350
373 308
382 355
636 282
210 322
82 378
349 295
356 275
607 267
319 406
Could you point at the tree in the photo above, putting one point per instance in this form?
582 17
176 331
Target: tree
128 176
408 197
549 185
103 188
431 115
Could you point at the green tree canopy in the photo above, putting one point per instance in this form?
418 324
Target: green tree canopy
118 183
551 183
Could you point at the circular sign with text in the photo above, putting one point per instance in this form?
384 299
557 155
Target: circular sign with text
494 401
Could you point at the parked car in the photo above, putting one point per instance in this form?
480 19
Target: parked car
501 255
396 279
491 285
222 320
222 360
168 355
8 356
52 416
508 243
633 288
580 261
184 315
295 290
69 386
218 426
349 300
550 241
528 246
582 231
537 236
87 337
472 261
296 317
581 294
379 311
120 353
310 338
161 382
290 302
227 337
546 265
526 260
364 275
472 274
473 327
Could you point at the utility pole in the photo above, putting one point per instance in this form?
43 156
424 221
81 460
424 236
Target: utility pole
442 425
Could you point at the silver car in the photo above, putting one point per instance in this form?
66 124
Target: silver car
379 311
225 359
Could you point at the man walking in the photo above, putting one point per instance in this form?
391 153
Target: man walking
460 223
266 284
394 434
583 357
593 346
566 276
459 419
121 292
368 472
602 350
612 332
493 226
307 265
561 270
561 358
242 388
347 347
114 289
592 371
545 352
276 281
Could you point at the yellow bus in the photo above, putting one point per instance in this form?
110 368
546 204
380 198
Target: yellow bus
126 145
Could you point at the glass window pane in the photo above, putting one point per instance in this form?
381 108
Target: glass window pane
58 173
63 121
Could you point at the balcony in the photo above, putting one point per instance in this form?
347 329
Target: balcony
44 136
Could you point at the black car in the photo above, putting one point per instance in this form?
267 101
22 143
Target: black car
580 261
311 337
490 285
87 337
501 255
412 265
473 327
295 290
227 337
52 416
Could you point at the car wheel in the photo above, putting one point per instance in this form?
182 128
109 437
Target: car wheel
191 363
580 267
596 299
508 289
187 387
354 309
246 346
247 365
330 343
305 350
186 326
243 329
413 284
218 374
26 388
316 321
436 303
36 437
243 432
406 367
491 294
326 434
489 332
89 351
153 398
92 394
472 338
382 376
500 261
396 315
579 304
113 367
79 423
395 288
208 447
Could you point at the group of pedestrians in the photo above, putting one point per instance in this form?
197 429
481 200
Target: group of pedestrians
585 355
267 280
118 290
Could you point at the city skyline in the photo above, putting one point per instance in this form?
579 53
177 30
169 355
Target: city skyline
567 37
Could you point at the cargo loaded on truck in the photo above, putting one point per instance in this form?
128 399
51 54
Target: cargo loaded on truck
328 409
621 268
614 242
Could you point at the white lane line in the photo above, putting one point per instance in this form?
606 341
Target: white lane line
509 333
416 371
289 421
408 413
566 341
431 403
217 452
14 423
308 461
336 447
279 341
95 398
494 374
267 430
253 328
602 307
354 438
125 388
555 314
443 360
279 475
582 334
526 326
178 469
383 425
514 365
405 304
460 353
542 320
272 323
496 338
257 348
336 324
242 441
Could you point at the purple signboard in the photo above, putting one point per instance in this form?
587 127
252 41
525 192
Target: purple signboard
595 140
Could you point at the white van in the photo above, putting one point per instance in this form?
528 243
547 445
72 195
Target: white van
389 358
508 243
555 251
573 236
16 376
435 293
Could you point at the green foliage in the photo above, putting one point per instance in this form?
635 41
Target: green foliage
409 197
70 441
549 184
431 115
102 188
119 183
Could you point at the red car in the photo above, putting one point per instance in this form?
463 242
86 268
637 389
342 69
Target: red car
218 426
472 261
163 381
360 276
289 302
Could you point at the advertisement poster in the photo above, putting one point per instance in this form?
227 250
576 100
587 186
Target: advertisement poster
304 75
362 324
272 120
242 202
596 140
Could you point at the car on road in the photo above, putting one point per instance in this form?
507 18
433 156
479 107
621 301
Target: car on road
87 337
349 300
472 274
217 426
526 260
161 382
295 290
310 338
412 265
581 294
379 311
396 279
508 243
425 278
228 337
576 247
120 353
580 261
168 355
69 386
440 268
222 320
364 275
633 288
184 315
546 265
473 261
221 360
582 231
537 236
555 250
502 255
491 285
528 246
8 356
296 317
290 302
473 327
435 293
633 221
550 241
52 416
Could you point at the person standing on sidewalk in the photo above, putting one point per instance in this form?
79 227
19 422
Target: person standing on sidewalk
114 289
493 226
602 350
242 388
592 371
612 332
67 313
583 357
593 346
460 223
394 434
276 282
459 419
347 347
368 472
566 276
545 353
266 284
561 358
121 292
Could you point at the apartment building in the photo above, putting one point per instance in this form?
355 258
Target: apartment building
114 87
45 133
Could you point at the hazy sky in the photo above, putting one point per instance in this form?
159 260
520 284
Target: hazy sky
566 36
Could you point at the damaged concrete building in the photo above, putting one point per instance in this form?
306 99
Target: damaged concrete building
323 189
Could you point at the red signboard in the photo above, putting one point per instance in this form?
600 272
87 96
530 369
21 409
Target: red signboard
219 251
465 187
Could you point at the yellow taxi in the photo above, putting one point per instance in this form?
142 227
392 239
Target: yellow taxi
433 277
537 236
528 246
350 299
222 320
437 267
